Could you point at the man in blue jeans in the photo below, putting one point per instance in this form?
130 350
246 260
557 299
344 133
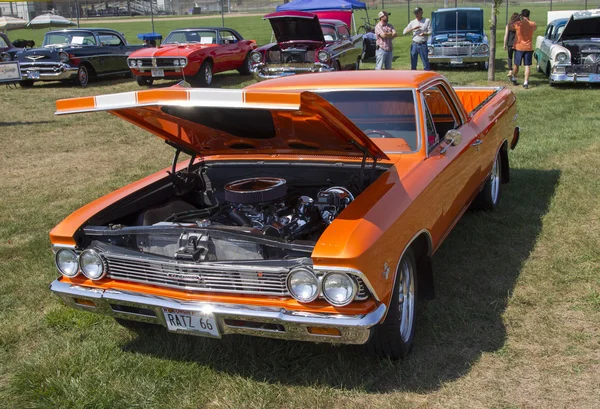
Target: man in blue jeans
420 28
384 34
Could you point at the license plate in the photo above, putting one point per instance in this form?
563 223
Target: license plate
594 77
456 61
158 72
197 323
33 75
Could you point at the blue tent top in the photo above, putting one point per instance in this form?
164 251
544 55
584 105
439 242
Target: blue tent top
149 36
320 5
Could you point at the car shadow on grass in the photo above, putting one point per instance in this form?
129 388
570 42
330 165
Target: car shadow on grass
475 273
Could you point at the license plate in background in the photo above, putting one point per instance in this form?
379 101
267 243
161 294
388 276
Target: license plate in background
158 73
594 77
33 75
199 323
456 61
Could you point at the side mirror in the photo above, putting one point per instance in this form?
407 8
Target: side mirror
453 137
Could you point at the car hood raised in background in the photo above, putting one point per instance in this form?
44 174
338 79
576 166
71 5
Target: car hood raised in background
295 26
582 24
236 122
170 50
445 21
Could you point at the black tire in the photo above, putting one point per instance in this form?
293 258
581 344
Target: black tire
337 66
83 76
489 197
144 81
246 68
390 339
135 326
26 83
483 65
204 77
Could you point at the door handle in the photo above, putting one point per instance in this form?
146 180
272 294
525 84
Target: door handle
477 142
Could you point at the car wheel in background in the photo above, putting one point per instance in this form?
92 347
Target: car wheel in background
489 197
26 83
393 338
83 76
204 76
483 65
337 66
246 67
144 81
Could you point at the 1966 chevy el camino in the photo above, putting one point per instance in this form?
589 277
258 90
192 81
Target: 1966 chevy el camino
310 208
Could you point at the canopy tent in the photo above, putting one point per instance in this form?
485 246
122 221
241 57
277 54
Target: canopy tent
323 8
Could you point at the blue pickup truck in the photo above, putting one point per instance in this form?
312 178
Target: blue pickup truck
458 38
76 54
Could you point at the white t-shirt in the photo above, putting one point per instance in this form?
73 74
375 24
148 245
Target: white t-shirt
420 35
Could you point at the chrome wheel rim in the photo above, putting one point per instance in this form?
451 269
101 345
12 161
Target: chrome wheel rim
495 179
406 300
208 74
82 76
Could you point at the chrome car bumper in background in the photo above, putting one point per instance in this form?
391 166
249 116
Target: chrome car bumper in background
265 71
457 59
261 321
51 71
573 78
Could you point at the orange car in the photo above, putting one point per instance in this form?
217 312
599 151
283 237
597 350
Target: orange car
309 210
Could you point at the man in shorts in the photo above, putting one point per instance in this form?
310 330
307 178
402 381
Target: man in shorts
523 46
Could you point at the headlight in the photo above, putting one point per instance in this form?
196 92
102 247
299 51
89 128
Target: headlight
66 262
429 49
484 48
132 63
256 57
92 264
323 56
303 284
339 289
139 63
63 57
183 62
5 57
561 57
176 63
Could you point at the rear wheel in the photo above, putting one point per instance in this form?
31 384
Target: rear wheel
83 76
246 67
26 83
489 197
204 76
393 338
144 81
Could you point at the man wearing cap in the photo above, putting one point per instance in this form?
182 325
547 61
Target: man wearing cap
421 29
384 33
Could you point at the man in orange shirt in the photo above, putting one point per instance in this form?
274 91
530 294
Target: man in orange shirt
523 46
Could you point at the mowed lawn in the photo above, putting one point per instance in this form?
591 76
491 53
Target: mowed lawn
515 322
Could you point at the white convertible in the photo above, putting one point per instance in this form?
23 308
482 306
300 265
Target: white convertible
569 50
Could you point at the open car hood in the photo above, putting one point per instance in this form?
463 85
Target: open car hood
582 24
295 26
236 122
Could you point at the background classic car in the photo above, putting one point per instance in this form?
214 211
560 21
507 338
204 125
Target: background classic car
458 38
8 51
263 237
306 43
569 50
195 54
76 54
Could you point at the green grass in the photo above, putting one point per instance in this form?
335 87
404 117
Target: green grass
514 324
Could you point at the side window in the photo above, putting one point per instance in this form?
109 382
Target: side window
443 114
110 39
343 31
433 138
559 31
227 37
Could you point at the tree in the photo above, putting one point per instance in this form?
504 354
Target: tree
495 11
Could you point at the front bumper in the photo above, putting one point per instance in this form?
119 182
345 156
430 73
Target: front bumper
167 72
574 78
47 71
265 71
457 59
230 318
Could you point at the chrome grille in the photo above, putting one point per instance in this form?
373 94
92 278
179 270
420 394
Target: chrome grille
188 276
455 51
582 69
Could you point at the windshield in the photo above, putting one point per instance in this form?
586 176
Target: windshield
469 20
69 38
388 117
192 37
329 32
3 43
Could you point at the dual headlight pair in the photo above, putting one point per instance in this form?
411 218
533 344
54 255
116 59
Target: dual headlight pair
89 262
337 288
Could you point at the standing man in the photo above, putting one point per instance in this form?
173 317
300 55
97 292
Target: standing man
421 29
384 34
523 46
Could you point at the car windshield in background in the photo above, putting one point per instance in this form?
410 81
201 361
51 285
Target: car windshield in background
470 20
329 32
385 116
192 37
69 38
3 43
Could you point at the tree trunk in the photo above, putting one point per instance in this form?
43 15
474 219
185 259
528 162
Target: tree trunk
492 42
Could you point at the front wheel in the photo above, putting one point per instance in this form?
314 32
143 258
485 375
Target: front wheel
83 76
204 76
246 67
393 338
144 81
489 197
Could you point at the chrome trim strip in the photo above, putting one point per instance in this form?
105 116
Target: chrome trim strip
354 329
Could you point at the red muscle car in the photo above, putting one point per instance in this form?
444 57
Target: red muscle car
194 54
306 42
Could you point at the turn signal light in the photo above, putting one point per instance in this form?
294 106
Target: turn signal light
84 302
332 332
